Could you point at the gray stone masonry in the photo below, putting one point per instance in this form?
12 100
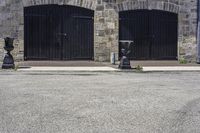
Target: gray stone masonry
106 23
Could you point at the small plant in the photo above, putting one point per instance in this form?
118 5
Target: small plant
16 67
183 61
139 68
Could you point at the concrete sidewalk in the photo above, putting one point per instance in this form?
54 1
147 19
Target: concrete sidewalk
68 69
91 66
78 63
171 68
108 69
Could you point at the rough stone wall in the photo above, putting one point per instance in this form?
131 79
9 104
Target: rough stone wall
11 24
106 23
106 30
1 49
188 30
187 23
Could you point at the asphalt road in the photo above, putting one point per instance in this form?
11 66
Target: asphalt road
99 102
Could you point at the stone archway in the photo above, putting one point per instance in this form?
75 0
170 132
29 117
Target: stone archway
61 54
89 4
173 7
156 5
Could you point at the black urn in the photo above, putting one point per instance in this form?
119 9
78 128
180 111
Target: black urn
125 50
8 62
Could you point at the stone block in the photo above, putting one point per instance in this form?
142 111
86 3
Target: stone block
111 25
100 8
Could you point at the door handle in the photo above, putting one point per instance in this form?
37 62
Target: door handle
62 34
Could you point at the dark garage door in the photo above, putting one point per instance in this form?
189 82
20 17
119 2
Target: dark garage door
54 32
154 33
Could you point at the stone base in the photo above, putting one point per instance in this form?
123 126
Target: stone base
8 66
124 63
8 62
124 67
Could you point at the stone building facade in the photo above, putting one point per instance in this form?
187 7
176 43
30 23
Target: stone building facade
106 23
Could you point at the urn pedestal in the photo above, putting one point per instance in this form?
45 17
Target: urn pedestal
125 50
8 62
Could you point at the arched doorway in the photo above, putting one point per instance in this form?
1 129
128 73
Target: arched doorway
55 32
155 33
